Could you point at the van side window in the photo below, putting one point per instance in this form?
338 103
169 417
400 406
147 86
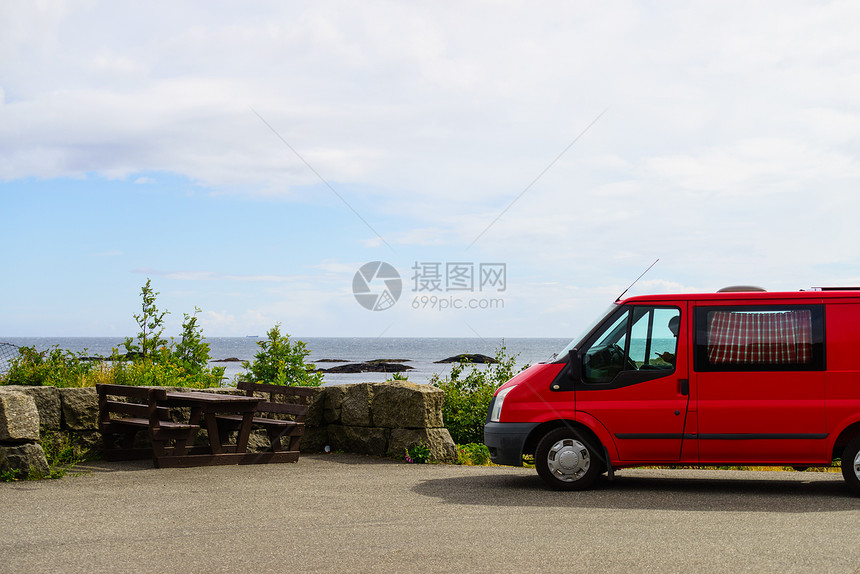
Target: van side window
639 339
760 338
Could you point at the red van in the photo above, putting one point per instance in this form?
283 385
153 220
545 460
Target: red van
728 378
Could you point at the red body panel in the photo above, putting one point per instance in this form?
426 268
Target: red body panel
533 401
842 378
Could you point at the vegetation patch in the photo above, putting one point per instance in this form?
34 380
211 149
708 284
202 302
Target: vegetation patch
473 454
468 392
62 454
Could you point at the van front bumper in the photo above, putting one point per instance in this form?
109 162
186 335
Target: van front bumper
506 441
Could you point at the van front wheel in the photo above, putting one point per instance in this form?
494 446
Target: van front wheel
567 460
851 465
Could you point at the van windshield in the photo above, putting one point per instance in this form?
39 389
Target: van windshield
562 355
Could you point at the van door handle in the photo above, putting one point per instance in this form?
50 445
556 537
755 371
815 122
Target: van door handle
684 386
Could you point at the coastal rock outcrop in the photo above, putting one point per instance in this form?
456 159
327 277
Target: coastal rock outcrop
468 358
367 367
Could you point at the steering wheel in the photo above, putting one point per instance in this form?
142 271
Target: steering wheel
619 358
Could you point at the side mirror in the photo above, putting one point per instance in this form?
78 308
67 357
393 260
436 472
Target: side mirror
574 362
570 374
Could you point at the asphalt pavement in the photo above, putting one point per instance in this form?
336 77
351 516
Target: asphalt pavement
348 513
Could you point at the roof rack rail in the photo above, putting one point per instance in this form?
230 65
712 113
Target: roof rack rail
835 289
740 289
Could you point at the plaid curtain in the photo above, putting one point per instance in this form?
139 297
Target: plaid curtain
760 338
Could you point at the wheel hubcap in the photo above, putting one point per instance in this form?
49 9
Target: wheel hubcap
857 466
569 459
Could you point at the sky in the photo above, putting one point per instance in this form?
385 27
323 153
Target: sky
516 165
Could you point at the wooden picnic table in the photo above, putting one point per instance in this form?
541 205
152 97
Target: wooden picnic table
205 408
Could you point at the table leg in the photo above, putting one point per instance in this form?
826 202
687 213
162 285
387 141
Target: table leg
244 432
214 436
182 445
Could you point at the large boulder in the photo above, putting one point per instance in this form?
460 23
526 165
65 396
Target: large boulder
80 408
47 402
355 409
401 404
315 439
22 459
333 403
361 440
438 440
316 406
19 418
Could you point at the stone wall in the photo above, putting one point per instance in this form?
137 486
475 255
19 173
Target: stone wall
381 419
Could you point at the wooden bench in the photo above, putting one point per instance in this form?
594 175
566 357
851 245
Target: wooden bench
287 407
126 411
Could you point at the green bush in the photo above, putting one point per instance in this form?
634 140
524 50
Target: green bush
468 392
162 374
151 324
474 454
63 452
281 362
54 367
191 352
153 361
418 453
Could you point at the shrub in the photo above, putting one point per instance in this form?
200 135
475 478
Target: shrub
191 353
473 454
418 453
163 374
154 362
281 362
55 367
468 393
62 452
151 323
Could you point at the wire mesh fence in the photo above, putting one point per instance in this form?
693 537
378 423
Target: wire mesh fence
8 351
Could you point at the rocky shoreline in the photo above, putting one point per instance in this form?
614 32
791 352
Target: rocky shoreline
348 367
396 365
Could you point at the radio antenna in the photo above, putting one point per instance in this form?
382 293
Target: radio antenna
637 279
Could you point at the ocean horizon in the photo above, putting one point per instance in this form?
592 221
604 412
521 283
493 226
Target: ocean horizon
420 353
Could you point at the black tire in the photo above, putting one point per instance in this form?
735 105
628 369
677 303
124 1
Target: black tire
851 465
567 459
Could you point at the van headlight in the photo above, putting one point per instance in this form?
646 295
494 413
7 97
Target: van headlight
497 404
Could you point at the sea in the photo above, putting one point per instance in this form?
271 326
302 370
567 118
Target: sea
420 353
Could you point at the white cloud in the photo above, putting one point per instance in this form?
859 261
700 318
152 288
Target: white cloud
728 148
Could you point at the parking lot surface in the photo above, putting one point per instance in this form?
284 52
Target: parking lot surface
348 513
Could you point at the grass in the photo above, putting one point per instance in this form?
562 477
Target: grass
62 454
473 454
